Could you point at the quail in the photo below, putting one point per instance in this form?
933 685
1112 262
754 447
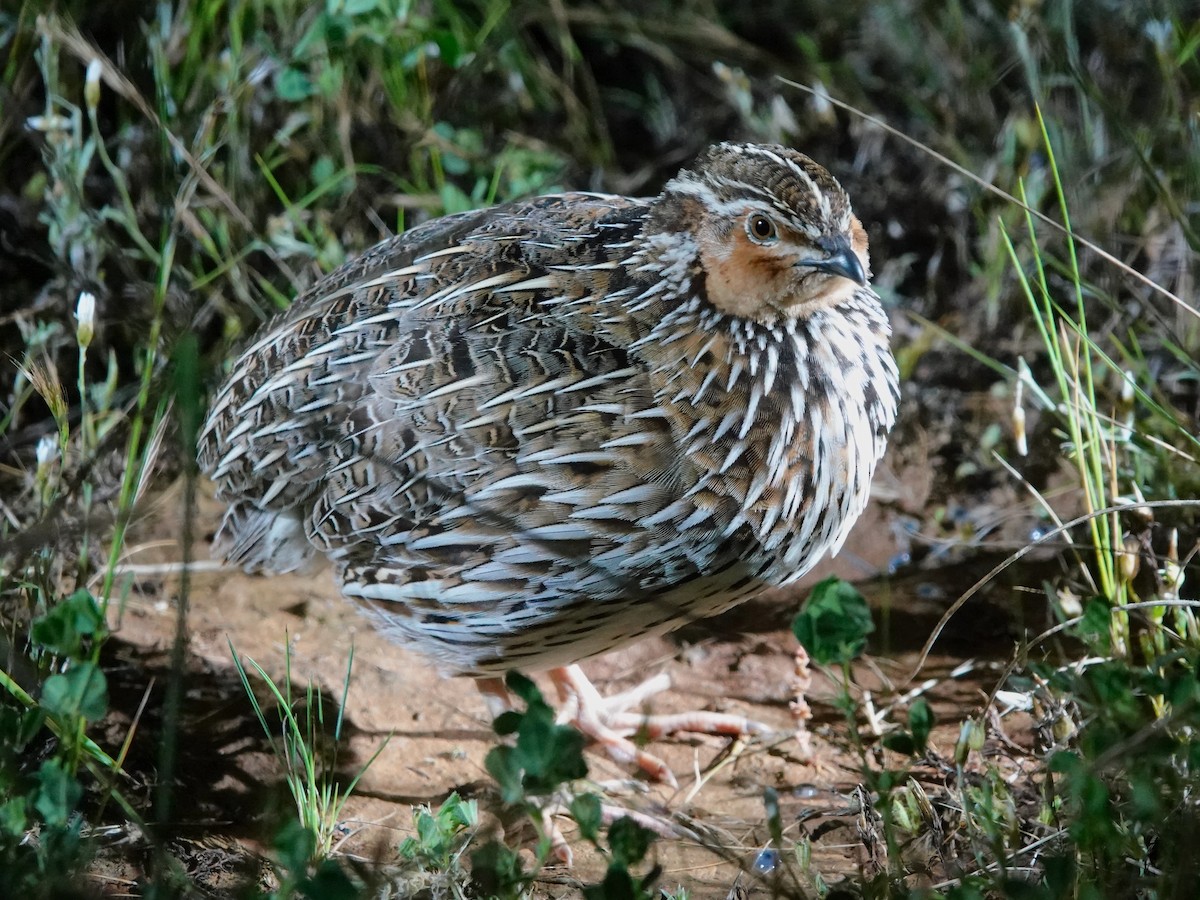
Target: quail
529 434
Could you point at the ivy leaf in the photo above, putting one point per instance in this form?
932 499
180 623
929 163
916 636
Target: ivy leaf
61 631
585 810
834 623
545 754
57 794
920 723
80 691
629 841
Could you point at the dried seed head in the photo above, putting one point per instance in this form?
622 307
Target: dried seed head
1018 420
1130 558
43 378
1172 571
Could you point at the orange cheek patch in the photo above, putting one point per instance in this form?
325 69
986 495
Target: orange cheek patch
858 242
741 279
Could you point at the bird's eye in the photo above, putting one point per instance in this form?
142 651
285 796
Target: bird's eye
760 227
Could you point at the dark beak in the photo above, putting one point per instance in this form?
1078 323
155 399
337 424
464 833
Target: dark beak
841 260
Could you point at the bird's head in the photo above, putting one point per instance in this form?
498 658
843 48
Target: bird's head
774 232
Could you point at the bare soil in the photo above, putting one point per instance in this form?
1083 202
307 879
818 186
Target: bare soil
437 730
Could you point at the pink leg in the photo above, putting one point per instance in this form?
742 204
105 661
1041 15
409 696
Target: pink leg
608 721
495 695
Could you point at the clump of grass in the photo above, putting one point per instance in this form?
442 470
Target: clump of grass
1106 448
64 526
1119 823
307 747
440 843
544 760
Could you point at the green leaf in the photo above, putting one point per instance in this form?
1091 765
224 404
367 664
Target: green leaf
80 691
496 872
57 794
629 841
294 846
834 623
322 171
545 754
292 85
523 687
500 765
456 813
920 723
436 832
329 882
1060 874
185 359
900 742
359 7
1094 624
1065 762
965 892
12 817
63 628
507 722
618 884
453 164
585 810
453 199
450 50
774 818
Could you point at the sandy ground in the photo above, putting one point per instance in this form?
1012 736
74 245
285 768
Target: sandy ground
439 729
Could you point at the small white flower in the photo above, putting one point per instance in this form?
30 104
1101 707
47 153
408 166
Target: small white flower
47 453
85 313
1123 431
1018 419
91 83
1160 32
1011 700
48 124
820 103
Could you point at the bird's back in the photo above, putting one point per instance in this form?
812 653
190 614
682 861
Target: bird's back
449 419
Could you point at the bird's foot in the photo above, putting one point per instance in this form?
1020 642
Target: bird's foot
609 722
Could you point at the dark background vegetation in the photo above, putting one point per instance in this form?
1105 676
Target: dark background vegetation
233 152
321 128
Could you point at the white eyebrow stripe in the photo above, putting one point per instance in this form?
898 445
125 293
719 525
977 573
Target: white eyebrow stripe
763 200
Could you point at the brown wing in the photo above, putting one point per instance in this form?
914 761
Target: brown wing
451 421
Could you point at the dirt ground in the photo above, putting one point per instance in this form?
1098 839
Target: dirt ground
439 729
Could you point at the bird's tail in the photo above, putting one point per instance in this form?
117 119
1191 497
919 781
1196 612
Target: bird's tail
264 540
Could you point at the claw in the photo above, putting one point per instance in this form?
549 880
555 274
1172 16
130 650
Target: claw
608 722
